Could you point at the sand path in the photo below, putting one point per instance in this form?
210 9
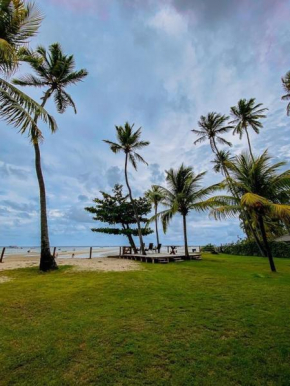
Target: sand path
95 264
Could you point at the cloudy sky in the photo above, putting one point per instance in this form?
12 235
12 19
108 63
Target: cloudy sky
160 64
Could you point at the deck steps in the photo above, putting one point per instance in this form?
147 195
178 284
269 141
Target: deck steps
177 259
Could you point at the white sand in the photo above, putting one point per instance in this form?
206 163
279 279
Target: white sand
80 264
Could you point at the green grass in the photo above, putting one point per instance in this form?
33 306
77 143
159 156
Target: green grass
221 321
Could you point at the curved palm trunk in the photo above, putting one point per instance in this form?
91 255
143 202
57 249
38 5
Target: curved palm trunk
249 143
244 212
134 207
267 246
185 235
47 260
156 225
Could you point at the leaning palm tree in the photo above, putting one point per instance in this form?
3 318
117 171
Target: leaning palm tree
19 22
211 127
184 193
155 197
129 143
54 72
263 192
247 114
286 86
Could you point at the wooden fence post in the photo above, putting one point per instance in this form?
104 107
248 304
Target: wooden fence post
91 251
54 249
2 255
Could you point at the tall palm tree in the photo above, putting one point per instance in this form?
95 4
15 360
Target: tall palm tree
19 22
211 127
263 192
286 86
183 194
54 71
129 143
247 114
155 197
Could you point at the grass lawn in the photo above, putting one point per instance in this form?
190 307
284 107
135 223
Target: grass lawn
221 321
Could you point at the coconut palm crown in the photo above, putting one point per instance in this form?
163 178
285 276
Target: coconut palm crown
19 22
55 72
247 114
221 161
211 127
129 142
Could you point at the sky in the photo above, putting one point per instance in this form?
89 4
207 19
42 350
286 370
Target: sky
158 64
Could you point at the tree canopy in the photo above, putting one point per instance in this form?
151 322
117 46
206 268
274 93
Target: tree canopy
117 211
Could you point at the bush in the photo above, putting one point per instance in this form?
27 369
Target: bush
250 248
209 248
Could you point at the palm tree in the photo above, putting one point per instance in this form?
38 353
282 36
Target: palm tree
286 86
129 143
222 162
247 114
210 128
183 194
19 22
263 192
54 71
155 197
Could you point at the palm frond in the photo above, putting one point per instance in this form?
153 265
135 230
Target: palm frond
115 147
29 80
16 108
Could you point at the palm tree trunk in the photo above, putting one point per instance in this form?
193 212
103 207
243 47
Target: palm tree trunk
185 235
134 207
249 143
47 260
267 246
156 226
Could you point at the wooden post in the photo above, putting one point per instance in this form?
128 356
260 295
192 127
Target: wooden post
2 255
91 251
54 249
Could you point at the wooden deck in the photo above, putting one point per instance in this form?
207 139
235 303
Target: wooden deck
161 258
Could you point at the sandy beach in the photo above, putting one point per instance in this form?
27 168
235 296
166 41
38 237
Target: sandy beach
16 261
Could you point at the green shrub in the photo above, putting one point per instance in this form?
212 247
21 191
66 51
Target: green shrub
250 248
209 248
